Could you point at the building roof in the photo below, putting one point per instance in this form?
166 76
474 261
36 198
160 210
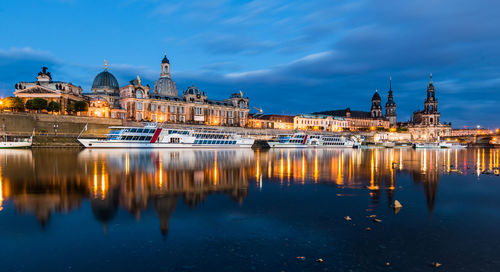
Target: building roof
105 80
275 117
343 113
165 60
376 96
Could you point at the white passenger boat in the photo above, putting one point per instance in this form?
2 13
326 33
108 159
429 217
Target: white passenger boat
426 145
23 143
16 142
388 144
451 145
302 140
153 136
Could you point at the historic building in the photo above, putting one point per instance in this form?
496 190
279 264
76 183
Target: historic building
163 104
426 124
44 87
319 122
359 120
275 121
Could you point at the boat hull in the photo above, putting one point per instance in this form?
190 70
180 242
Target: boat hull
284 145
6 145
93 143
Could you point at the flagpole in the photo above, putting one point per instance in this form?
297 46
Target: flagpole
83 130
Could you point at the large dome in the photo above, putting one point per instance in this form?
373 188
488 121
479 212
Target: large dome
165 86
105 81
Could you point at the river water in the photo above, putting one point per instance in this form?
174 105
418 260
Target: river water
246 210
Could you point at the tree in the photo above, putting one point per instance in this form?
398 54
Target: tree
29 105
54 106
70 108
81 106
16 103
37 104
77 106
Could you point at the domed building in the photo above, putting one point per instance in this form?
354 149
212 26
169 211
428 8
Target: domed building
165 86
105 83
104 100
163 103
138 102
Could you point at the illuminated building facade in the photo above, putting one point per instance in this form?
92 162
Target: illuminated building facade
319 122
44 87
273 121
137 102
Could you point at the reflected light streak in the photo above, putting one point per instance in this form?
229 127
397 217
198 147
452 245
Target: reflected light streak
448 161
478 162
215 167
1 192
424 167
288 165
316 167
303 167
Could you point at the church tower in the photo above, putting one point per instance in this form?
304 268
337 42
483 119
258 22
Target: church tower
390 106
376 110
430 115
165 67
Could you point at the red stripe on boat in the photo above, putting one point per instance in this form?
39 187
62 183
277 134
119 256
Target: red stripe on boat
305 139
156 135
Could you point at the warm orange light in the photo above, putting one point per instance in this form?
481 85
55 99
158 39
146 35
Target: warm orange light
372 128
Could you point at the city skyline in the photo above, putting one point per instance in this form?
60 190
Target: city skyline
309 56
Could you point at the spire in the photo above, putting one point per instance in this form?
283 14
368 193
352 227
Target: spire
390 83
431 79
105 65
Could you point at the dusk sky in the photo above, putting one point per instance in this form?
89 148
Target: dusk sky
288 57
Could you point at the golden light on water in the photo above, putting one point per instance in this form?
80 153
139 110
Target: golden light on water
1 193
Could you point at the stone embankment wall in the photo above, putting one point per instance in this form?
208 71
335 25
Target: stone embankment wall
22 124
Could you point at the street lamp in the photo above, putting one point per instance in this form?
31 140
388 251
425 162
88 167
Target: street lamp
55 128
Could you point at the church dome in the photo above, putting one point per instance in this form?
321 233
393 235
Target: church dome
105 81
165 86
193 90
376 96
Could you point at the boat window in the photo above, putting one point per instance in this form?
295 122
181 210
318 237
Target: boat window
135 138
142 138
148 138
133 130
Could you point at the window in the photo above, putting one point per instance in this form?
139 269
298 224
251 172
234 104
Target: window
153 107
138 106
181 118
139 94
223 113
139 117
172 117
230 114
162 108
242 115
181 109
172 109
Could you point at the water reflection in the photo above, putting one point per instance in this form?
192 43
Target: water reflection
43 182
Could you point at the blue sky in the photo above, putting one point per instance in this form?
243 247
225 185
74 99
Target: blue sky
288 56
